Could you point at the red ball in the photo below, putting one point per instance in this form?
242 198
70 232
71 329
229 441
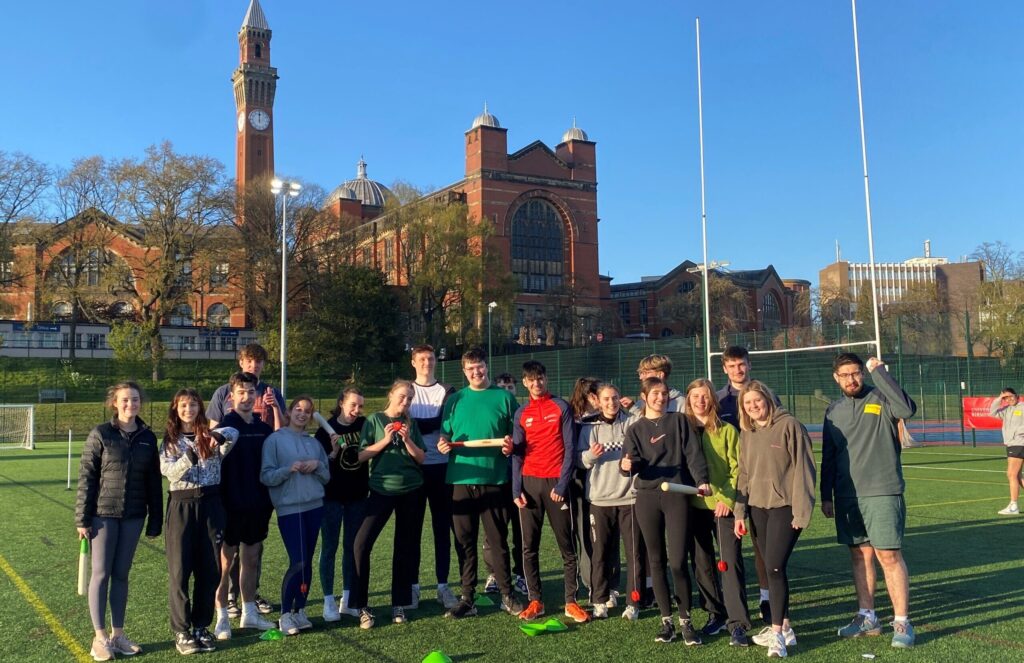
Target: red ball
723 566
635 596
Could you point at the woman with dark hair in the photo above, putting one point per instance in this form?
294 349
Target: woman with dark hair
295 470
344 500
190 459
661 447
723 591
119 490
775 488
393 446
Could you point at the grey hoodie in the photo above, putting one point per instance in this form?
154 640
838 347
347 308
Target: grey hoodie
1013 421
605 484
293 492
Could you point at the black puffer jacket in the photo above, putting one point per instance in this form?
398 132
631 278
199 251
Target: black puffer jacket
119 477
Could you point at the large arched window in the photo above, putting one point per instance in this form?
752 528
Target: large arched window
181 316
537 246
218 315
771 312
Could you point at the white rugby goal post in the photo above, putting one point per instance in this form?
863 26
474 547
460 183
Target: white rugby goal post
17 427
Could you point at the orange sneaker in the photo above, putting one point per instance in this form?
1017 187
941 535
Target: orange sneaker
533 611
576 613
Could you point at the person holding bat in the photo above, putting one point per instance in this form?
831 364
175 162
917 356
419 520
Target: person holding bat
119 491
190 458
344 499
268 406
724 591
661 447
479 479
392 445
295 470
775 488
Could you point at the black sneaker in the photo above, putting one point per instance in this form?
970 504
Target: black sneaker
511 605
204 639
234 612
739 638
464 608
186 643
690 635
667 632
714 626
263 605
766 612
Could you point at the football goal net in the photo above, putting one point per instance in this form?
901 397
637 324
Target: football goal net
17 427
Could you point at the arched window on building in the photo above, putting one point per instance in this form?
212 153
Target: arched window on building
537 246
61 310
122 310
771 312
218 315
181 316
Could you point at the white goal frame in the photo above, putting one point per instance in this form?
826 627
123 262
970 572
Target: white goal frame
12 437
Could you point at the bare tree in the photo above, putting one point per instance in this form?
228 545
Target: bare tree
178 203
23 183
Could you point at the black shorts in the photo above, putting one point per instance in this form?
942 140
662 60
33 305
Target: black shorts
1015 452
248 526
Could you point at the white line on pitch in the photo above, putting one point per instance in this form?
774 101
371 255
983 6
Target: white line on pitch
951 469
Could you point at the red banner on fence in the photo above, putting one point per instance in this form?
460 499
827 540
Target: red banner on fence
976 413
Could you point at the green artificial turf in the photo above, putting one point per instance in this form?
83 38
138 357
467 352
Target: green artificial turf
966 586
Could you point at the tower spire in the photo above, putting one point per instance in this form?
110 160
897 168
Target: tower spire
254 17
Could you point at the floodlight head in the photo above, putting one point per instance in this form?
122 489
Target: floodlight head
492 306
294 186
276 184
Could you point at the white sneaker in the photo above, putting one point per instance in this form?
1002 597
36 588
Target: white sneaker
600 611
447 598
347 611
777 646
255 620
288 624
302 620
632 613
491 585
1011 510
331 613
613 600
222 631
764 638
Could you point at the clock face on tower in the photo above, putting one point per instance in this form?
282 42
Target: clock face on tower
259 119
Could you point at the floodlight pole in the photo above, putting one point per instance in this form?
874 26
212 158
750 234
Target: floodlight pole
867 188
703 215
284 189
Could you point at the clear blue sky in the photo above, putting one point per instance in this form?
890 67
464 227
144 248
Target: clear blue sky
400 81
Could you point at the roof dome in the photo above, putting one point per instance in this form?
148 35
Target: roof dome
485 119
362 189
574 133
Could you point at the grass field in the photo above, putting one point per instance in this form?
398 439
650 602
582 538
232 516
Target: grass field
966 586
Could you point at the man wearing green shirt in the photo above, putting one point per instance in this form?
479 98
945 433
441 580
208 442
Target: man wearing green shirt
479 477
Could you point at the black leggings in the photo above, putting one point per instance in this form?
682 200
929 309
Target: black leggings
665 523
776 538
408 509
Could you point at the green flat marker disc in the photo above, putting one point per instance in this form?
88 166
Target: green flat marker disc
555 625
532 629
272 634
437 656
483 599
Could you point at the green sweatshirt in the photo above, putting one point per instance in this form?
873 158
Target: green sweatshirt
482 414
860 442
722 453
392 471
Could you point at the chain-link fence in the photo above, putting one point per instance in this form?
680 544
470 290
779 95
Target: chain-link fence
74 391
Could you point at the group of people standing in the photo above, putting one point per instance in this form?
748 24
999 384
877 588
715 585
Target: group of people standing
594 467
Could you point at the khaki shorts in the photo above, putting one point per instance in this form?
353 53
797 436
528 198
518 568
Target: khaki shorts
879 521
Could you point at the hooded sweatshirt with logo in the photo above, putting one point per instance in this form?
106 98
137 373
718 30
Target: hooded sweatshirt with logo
605 484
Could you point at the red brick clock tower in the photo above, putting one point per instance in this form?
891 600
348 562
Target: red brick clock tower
255 82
